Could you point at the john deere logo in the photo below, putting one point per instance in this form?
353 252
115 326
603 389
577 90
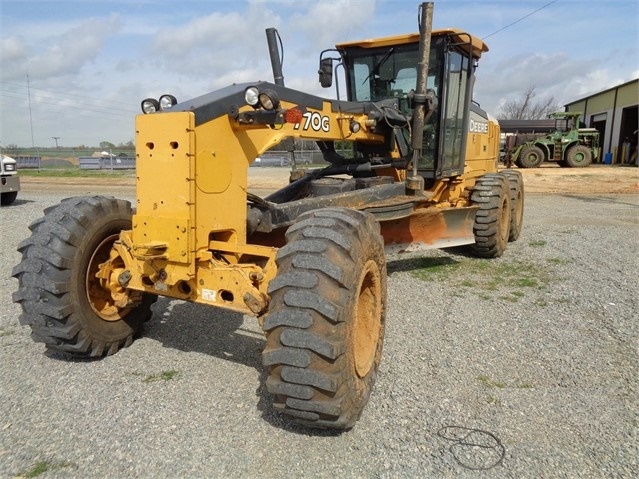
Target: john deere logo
478 127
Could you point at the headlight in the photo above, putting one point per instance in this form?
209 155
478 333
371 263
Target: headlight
269 100
251 96
150 105
10 167
167 101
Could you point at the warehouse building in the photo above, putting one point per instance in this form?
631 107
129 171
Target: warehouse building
615 114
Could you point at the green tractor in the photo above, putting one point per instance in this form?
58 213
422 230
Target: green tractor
568 145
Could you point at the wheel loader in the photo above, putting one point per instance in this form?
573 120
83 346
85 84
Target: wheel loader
307 260
569 145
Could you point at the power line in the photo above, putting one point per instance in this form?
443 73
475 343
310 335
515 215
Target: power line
18 84
95 110
520 19
62 102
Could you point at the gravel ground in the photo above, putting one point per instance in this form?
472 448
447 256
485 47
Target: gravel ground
523 367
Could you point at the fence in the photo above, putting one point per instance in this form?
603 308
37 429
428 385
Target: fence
27 161
113 163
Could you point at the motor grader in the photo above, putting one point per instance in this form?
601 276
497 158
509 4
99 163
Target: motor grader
309 259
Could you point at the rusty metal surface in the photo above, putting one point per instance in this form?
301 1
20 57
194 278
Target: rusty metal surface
429 228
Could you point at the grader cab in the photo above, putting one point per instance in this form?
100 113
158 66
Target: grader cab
308 260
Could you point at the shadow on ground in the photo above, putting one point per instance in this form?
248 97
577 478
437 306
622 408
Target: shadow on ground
192 327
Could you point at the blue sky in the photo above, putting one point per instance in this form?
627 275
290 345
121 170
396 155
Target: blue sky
91 62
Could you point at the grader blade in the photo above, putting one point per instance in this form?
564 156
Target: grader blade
430 228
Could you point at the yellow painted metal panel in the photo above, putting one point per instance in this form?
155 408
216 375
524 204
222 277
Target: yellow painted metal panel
459 36
165 193
159 236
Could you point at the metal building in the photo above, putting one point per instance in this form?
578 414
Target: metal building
615 114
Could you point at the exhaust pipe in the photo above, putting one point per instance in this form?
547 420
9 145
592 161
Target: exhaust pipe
272 37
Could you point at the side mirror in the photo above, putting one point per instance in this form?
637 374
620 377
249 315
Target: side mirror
326 72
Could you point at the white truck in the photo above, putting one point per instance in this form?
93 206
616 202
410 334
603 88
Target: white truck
9 180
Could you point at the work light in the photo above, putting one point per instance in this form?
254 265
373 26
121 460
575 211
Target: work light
167 101
269 100
150 105
251 96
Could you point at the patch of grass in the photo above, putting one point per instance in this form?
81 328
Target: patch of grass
6 332
537 243
510 299
493 400
427 268
41 467
167 375
488 279
524 386
559 261
541 303
489 383
527 282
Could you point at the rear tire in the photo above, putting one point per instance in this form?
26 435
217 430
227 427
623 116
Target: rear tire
578 156
516 183
61 298
325 325
531 157
492 222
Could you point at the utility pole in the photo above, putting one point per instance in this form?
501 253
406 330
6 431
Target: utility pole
56 138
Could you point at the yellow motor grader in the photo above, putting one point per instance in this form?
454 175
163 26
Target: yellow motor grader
309 259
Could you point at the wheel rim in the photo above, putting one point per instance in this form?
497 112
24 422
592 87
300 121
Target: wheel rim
100 299
367 320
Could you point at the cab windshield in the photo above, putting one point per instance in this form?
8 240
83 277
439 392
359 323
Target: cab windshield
375 74
382 73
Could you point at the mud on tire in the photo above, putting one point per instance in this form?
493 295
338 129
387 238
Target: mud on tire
578 156
492 222
530 157
516 183
325 325
58 291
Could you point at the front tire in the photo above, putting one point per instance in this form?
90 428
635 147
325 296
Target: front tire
7 198
531 157
492 222
325 325
61 298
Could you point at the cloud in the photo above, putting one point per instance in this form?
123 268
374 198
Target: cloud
326 23
12 49
215 44
61 54
508 78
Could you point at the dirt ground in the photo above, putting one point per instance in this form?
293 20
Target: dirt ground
550 179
